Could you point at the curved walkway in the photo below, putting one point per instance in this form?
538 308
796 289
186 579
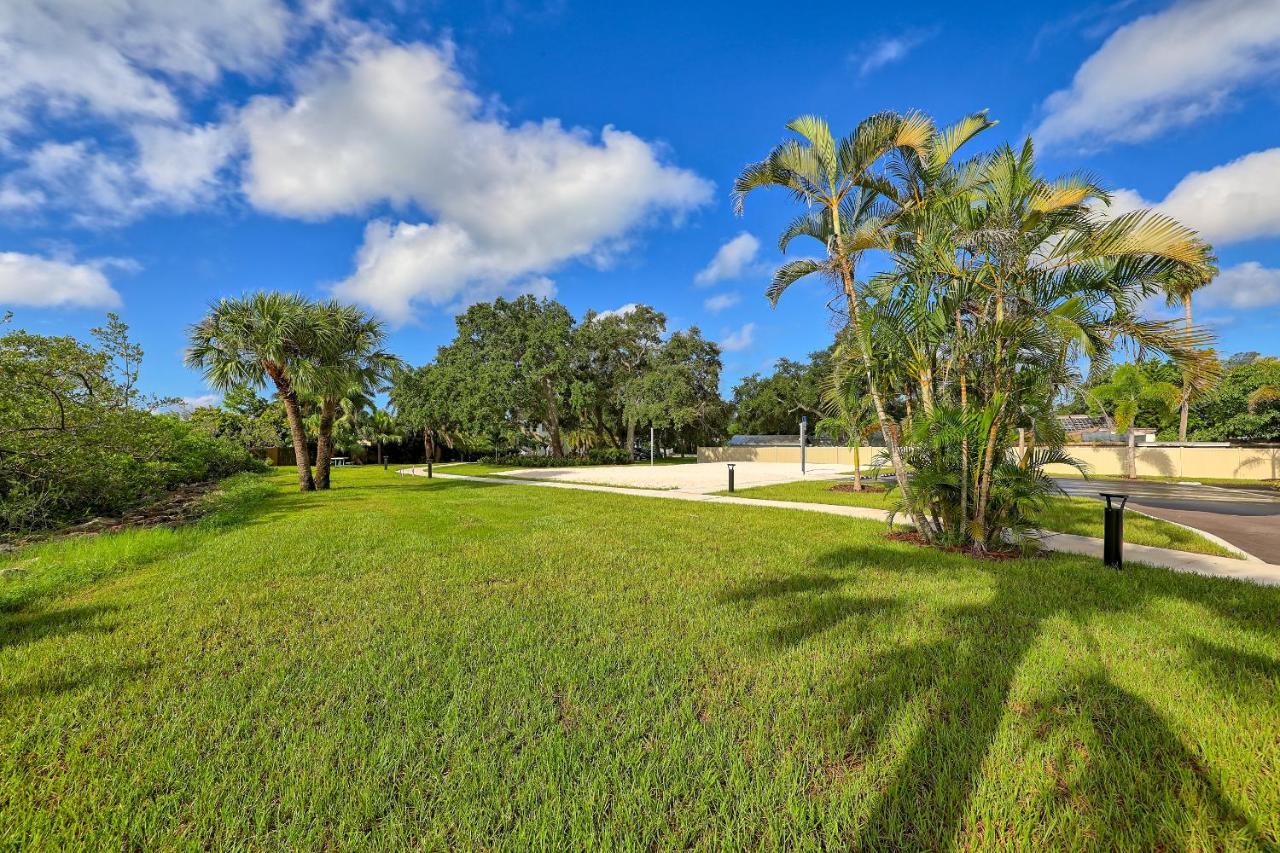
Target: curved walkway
1179 561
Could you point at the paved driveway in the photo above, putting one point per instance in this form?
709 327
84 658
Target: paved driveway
700 478
1247 518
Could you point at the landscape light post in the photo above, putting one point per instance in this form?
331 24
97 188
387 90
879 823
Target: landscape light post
804 428
651 444
730 476
428 468
1113 531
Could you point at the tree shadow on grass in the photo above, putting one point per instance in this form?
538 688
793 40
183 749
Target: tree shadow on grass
22 628
957 683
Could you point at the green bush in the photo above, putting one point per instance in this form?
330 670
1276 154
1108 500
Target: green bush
598 456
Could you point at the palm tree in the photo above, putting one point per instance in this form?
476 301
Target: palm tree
379 427
1129 389
350 362
1178 288
243 342
836 184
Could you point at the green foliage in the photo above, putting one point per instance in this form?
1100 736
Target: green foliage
594 456
1243 407
1133 391
522 374
75 440
773 404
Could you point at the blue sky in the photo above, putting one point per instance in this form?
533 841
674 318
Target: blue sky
414 157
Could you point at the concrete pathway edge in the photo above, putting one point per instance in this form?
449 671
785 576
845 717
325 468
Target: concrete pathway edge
1254 571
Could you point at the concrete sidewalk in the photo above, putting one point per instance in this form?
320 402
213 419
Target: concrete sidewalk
1267 574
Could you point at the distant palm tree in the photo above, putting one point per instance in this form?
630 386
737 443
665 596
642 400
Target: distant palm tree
350 363
378 428
248 340
1178 287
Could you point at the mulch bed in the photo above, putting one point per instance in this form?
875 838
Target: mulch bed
179 507
916 539
866 487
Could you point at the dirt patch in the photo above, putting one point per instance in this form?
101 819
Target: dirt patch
866 487
916 539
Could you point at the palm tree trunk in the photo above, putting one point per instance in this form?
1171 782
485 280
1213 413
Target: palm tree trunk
324 441
284 389
857 463
1186 386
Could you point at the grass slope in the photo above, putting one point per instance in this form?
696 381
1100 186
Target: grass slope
410 663
1064 515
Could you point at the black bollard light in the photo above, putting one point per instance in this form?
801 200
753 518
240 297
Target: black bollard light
730 476
1113 530
428 469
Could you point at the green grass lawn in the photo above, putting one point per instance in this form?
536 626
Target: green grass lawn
403 662
1065 515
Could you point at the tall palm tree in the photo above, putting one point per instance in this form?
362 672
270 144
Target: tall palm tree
848 208
1179 287
248 340
350 361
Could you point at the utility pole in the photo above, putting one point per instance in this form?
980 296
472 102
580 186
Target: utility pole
650 444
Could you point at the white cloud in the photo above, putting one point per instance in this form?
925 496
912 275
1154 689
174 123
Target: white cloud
127 58
181 165
1226 204
620 311
721 301
201 400
886 51
1243 286
731 260
1166 69
508 202
739 340
38 282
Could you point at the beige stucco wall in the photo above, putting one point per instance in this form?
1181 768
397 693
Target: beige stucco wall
816 455
1241 463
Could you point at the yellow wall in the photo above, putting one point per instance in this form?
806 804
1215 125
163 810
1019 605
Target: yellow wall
1239 463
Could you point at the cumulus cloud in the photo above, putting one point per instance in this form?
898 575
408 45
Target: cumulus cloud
739 340
721 301
508 203
39 282
1226 204
1244 286
1166 69
731 260
201 400
620 311
128 59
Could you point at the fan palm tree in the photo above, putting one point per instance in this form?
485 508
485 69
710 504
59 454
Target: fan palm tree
378 428
1179 287
350 362
246 341
1129 389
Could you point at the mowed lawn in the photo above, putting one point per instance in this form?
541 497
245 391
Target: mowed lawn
404 662
1081 516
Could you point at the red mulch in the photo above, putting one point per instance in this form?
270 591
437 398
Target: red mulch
916 539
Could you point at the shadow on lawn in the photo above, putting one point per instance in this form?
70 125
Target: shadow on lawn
1119 768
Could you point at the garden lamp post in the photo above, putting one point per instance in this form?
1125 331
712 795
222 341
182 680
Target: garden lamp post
804 428
1113 530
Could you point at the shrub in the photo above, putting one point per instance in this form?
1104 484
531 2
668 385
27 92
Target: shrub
599 456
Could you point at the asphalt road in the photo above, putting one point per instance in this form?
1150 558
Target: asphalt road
1247 518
